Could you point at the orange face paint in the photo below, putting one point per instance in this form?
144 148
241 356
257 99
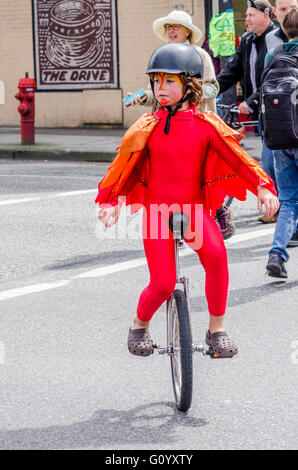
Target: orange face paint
168 76
164 86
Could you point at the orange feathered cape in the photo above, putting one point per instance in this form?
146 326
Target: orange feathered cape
128 173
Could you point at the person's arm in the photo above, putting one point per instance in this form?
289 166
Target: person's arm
210 84
232 72
210 90
150 97
253 101
108 214
266 198
265 191
146 100
208 67
237 165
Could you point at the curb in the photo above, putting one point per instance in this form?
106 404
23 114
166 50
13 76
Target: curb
56 154
39 152
65 155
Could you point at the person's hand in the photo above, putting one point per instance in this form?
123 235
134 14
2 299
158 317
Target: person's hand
109 215
137 99
242 108
266 198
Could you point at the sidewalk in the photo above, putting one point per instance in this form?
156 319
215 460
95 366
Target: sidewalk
90 145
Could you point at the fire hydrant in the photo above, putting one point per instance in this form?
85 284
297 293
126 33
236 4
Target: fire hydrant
26 96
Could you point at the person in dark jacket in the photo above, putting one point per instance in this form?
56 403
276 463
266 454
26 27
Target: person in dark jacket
286 170
247 64
273 39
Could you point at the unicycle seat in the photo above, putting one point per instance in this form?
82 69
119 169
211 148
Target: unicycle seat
178 223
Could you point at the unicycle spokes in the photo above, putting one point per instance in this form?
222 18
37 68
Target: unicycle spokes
181 346
176 350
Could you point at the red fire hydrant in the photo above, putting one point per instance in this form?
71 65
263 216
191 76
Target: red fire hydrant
26 96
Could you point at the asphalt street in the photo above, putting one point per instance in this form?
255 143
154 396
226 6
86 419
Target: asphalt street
68 294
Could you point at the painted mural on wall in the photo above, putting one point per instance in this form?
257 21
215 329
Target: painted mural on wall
75 44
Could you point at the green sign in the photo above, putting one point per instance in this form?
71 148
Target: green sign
222 34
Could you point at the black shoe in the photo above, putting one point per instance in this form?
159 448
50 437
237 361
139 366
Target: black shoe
276 266
294 240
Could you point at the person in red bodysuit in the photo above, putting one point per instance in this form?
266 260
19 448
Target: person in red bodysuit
177 154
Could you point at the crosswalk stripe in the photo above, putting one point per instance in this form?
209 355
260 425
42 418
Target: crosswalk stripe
118 267
12 293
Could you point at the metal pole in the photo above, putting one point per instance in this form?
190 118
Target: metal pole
208 14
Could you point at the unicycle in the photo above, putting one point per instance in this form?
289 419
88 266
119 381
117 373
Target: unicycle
180 341
178 324
180 347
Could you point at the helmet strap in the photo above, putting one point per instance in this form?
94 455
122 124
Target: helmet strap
174 111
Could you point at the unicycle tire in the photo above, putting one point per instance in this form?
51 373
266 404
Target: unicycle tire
181 357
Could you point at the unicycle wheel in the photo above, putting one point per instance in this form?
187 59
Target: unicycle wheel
181 356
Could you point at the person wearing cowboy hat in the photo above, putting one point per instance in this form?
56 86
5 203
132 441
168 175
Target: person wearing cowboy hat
177 27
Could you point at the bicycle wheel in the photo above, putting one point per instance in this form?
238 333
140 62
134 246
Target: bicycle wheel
181 357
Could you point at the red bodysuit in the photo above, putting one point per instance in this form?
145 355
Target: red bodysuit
197 161
176 163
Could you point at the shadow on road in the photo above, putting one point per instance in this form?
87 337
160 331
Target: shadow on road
247 221
102 259
154 423
248 253
246 295
237 255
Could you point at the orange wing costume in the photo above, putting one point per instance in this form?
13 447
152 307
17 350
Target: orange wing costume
128 173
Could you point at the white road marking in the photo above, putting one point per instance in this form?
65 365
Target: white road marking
28 175
250 235
113 268
31 199
12 293
74 193
15 201
118 267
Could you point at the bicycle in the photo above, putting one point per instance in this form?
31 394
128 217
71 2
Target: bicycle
230 117
179 336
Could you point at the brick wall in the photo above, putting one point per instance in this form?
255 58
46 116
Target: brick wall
73 109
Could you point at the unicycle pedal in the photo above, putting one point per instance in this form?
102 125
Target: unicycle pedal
210 352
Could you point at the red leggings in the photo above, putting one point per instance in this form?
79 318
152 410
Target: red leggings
161 263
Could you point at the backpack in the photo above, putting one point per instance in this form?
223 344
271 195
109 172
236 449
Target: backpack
279 100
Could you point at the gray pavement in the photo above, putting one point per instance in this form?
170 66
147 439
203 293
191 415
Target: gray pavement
67 380
89 145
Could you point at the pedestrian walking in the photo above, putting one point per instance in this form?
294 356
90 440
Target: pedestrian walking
278 36
285 159
246 66
177 27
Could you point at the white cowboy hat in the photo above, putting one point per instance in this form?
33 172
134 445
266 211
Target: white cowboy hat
176 17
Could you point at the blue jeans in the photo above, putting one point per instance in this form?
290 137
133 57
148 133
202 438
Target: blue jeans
267 158
286 171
